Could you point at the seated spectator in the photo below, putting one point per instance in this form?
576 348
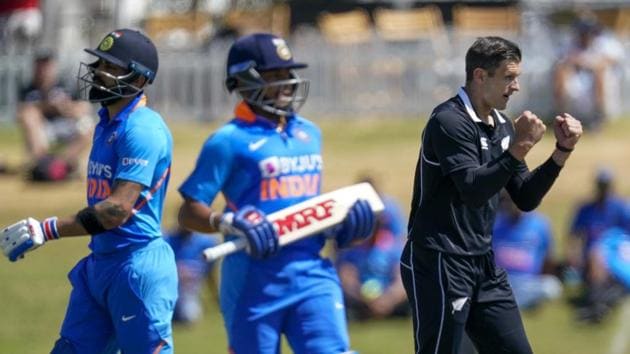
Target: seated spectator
604 211
523 245
588 75
370 271
57 128
609 275
193 272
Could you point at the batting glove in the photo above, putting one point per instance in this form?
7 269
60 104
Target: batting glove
358 224
27 235
252 223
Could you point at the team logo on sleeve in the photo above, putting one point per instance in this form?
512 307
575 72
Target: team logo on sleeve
128 161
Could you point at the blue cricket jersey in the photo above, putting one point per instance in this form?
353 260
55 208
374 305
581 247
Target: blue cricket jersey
614 246
251 163
522 246
592 219
378 258
136 146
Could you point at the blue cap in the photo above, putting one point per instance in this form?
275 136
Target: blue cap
262 51
129 49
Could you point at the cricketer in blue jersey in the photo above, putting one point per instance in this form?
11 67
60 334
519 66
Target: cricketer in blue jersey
592 218
614 248
605 210
608 280
370 272
523 246
124 292
265 159
192 271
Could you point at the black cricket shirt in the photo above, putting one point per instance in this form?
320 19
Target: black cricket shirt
455 139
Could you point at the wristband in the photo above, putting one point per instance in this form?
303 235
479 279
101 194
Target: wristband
562 148
49 228
87 218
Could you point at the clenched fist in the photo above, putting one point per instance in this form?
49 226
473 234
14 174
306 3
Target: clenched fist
528 131
567 130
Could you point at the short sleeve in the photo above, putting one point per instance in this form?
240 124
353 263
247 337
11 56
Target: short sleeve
139 151
454 142
211 170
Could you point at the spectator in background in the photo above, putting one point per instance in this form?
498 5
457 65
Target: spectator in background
56 126
20 24
192 271
370 271
609 275
605 210
523 245
588 75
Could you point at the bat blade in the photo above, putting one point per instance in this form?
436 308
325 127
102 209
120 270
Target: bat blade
307 218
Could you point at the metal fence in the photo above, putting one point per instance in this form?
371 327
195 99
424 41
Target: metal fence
373 78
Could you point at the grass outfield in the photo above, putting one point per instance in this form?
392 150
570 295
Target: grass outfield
34 292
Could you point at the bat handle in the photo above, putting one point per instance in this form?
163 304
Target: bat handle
213 253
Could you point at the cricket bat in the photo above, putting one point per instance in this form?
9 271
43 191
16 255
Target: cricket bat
307 218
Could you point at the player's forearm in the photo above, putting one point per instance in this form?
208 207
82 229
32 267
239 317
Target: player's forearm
105 215
112 213
196 217
69 227
479 184
528 189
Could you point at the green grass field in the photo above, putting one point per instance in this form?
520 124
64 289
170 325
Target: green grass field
34 292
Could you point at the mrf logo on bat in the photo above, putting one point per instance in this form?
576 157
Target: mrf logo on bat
305 217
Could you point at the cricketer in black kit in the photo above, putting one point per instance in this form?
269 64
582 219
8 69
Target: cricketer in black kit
470 151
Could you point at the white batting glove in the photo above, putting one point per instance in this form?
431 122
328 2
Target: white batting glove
27 235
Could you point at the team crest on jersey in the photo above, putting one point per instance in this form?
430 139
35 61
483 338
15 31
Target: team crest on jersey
282 49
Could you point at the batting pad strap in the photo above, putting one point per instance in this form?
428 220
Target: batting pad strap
49 228
87 218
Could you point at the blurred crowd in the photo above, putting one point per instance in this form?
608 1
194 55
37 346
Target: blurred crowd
574 56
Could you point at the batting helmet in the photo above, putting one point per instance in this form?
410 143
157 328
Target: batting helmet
128 49
254 54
